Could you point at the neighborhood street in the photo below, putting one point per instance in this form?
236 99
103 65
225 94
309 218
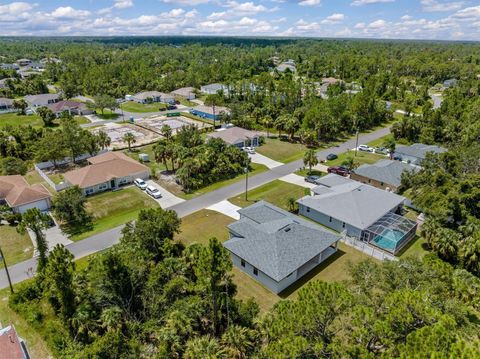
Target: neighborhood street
99 242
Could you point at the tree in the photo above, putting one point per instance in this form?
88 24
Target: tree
292 204
129 138
390 145
12 166
267 122
162 153
51 147
46 115
310 159
214 100
91 143
104 139
105 101
21 105
203 347
166 132
36 221
73 135
350 163
69 208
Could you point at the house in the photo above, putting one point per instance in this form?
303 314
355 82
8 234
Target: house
107 171
237 136
9 67
24 62
385 174
20 196
11 345
360 211
187 93
450 83
72 107
210 112
276 247
150 96
417 152
287 65
213 89
6 105
42 99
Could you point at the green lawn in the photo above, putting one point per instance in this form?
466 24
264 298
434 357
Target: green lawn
81 120
281 151
56 178
202 225
15 120
16 247
185 102
196 118
112 209
148 149
416 248
132 106
276 192
305 172
361 158
379 141
33 177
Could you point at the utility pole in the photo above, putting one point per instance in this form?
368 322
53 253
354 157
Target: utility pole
356 144
6 270
246 183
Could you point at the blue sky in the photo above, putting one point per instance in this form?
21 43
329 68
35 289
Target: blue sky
398 19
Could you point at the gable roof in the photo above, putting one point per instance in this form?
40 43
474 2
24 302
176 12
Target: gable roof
276 241
42 98
11 345
214 87
66 105
233 135
183 91
6 102
209 109
386 171
104 168
350 201
419 150
150 94
16 191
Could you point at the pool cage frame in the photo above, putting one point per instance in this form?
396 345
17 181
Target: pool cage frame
390 222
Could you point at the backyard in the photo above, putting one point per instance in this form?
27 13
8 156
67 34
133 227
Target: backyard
361 158
114 208
154 166
131 106
12 119
16 247
281 151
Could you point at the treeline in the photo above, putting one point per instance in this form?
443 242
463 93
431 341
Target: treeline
150 296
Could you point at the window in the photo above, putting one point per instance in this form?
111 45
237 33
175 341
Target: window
369 181
343 225
308 209
330 219
381 183
255 271
242 263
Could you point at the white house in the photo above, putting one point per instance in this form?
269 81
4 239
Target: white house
151 96
213 89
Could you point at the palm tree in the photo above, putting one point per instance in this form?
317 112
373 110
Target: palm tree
111 318
350 163
267 122
166 132
162 153
104 139
129 138
37 222
203 347
470 253
292 204
238 341
310 159
390 145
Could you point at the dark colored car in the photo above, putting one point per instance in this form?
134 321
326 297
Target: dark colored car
339 170
171 107
312 179
332 156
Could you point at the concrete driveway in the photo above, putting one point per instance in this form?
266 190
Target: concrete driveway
226 208
167 199
297 180
264 160
53 235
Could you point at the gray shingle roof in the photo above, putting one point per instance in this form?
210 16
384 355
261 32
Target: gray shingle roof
276 241
419 150
386 171
351 202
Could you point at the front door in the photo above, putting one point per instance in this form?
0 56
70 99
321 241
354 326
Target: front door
113 184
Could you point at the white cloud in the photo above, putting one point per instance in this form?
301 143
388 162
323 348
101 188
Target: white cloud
334 19
309 2
360 25
406 17
434 5
176 12
186 2
368 2
245 8
15 8
469 13
123 4
68 12
378 24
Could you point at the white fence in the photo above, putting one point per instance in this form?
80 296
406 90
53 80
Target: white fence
367 248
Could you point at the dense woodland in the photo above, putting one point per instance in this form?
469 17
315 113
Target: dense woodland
151 297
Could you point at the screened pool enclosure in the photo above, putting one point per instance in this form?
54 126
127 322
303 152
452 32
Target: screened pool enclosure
390 233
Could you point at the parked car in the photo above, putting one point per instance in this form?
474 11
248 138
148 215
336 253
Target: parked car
365 148
171 107
312 179
140 183
397 157
339 170
250 150
381 150
154 192
332 156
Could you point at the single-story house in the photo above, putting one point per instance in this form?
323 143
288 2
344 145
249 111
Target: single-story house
6 105
450 83
151 96
186 93
210 112
42 99
212 89
276 247
107 171
237 136
20 196
385 174
9 67
72 107
360 211
417 152
24 62
11 345
287 65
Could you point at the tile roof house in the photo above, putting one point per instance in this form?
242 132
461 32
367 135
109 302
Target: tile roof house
237 136
109 170
151 96
417 152
20 196
72 107
385 174
187 93
345 205
42 99
276 247
11 345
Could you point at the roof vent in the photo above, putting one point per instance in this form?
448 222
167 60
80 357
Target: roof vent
287 229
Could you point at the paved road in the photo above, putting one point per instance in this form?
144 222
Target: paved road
101 241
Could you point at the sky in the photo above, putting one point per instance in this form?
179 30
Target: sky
395 19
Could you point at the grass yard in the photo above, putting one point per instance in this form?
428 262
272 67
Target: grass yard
33 177
281 151
155 167
13 119
416 248
56 178
379 141
16 247
112 209
276 192
186 102
81 120
362 158
131 106
196 118
306 172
